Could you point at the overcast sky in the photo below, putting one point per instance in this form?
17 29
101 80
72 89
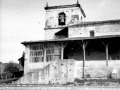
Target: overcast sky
23 20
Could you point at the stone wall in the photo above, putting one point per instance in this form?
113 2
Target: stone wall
97 69
50 34
63 71
28 65
59 71
52 16
26 62
84 31
99 30
73 15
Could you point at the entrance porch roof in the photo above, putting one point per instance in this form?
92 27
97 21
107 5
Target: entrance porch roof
69 39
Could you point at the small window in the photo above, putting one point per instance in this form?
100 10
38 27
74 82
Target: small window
74 19
91 33
61 19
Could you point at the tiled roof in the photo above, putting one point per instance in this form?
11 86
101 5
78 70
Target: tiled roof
70 39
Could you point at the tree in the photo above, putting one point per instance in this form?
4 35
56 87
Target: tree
11 67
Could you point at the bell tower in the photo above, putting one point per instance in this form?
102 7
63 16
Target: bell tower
58 17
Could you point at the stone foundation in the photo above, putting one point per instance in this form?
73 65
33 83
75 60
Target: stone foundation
63 71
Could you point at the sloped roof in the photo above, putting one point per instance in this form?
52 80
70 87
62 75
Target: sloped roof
80 38
63 31
90 23
70 39
117 21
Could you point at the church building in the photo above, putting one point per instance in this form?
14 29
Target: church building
72 48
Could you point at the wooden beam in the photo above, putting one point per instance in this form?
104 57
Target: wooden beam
107 55
62 52
83 60
44 58
83 45
1 69
62 46
106 43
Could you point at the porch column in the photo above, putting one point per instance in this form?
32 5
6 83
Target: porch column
62 46
106 43
107 55
44 55
83 45
62 51
1 71
83 59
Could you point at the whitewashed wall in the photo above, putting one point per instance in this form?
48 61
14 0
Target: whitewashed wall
99 30
63 71
52 16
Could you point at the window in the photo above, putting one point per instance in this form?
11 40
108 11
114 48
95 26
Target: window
74 19
91 33
36 53
53 52
61 19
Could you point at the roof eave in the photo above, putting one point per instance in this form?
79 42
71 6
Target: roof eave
70 39
60 6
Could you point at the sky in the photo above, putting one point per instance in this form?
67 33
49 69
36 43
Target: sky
24 20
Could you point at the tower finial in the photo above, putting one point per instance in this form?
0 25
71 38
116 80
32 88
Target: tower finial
77 1
46 4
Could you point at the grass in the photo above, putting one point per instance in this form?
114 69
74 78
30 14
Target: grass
97 82
77 82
